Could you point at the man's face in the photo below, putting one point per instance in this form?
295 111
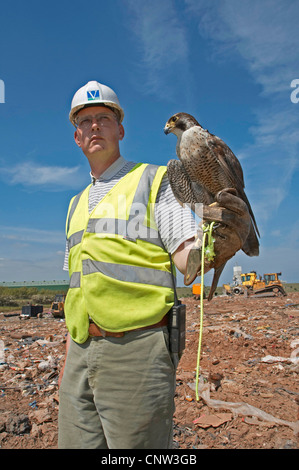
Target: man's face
98 132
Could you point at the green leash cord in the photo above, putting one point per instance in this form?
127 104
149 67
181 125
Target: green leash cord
209 253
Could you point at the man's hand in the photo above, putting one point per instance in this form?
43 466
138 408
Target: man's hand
231 229
232 214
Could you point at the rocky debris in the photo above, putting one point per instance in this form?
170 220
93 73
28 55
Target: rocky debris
19 424
248 378
32 354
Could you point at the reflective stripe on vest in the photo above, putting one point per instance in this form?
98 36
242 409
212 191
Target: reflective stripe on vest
119 268
75 280
125 272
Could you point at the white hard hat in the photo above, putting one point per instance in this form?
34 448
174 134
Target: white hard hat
92 94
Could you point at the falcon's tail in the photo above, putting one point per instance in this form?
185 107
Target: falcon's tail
217 273
251 245
245 199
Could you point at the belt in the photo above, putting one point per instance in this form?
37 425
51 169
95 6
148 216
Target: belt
95 330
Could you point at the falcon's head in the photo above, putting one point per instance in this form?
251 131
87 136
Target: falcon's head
180 122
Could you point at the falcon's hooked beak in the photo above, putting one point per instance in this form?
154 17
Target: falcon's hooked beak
170 126
167 129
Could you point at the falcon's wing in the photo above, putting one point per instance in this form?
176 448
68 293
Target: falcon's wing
227 160
231 167
210 161
200 142
185 190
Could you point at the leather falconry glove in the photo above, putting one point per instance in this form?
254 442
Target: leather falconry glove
231 229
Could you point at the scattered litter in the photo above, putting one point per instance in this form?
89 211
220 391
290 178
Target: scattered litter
19 424
254 394
215 420
240 408
272 359
257 422
48 364
215 379
33 404
31 354
188 398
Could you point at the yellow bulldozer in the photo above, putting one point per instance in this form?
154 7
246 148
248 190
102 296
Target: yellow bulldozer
250 284
57 307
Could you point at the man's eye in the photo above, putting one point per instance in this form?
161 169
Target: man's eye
82 122
85 122
103 119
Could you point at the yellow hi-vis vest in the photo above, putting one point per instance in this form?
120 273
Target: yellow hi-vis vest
120 272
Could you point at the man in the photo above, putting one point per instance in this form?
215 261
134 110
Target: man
117 387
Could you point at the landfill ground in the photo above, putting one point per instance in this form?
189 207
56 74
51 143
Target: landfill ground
248 391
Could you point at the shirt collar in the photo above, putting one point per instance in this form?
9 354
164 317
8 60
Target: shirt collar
111 171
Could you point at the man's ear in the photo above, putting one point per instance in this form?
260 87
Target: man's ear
77 139
121 132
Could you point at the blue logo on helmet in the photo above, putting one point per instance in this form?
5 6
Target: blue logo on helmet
93 95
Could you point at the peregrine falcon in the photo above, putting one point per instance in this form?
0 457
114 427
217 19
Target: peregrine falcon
206 166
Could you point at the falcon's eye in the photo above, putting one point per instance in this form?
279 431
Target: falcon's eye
175 118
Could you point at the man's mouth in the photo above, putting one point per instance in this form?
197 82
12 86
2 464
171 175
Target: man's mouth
95 138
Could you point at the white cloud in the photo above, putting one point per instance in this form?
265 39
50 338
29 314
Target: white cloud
49 178
272 158
163 46
29 254
30 235
47 268
264 34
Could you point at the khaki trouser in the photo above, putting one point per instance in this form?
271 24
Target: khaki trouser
118 393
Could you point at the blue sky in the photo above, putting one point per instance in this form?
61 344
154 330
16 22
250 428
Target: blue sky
229 63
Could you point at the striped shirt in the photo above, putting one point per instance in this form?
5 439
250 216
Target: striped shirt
175 223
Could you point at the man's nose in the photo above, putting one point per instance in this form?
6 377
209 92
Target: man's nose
95 124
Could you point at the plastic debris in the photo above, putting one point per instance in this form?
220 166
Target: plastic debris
272 359
240 408
215 420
